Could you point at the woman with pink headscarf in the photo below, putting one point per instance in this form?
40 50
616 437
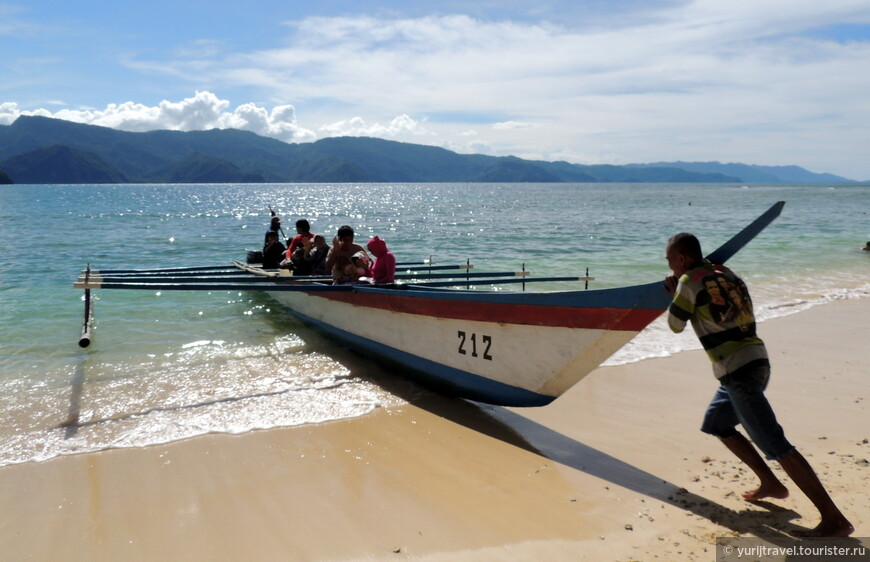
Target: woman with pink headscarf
384 269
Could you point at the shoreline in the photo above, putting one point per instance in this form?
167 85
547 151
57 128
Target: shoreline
614 469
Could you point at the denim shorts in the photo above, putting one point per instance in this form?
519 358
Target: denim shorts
740 400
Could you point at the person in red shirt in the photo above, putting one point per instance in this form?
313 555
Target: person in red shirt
384 269
297 248
303 232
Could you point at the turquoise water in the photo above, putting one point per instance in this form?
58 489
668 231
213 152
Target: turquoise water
174 365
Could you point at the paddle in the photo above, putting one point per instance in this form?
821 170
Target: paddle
281 230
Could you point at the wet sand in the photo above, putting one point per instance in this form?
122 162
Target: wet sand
616 469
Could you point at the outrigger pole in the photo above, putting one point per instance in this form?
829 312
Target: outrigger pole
85 340
309 284
98 277
234 270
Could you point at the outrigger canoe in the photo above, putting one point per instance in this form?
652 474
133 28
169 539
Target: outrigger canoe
498 347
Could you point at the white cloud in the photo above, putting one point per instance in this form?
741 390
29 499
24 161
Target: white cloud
201 112
9 112
206 111
465 146
279 123
357 127
512 126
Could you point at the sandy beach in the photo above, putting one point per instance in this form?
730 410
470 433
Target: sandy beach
616 469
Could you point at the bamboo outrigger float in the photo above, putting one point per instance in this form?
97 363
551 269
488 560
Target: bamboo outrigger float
506 348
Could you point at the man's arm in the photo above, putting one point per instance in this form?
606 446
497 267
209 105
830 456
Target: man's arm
681 308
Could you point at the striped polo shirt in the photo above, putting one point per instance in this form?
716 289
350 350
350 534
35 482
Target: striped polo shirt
717 303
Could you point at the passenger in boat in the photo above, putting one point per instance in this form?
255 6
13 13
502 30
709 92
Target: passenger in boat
296 262
741 364
384 268
357 271
303 233
274 226
360 268
315 255
273 251
343 248
309 258
300 245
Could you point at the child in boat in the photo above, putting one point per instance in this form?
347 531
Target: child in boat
359 269
384 268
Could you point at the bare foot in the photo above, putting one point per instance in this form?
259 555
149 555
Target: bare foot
834 527
773 490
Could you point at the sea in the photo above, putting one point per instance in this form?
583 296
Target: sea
171 365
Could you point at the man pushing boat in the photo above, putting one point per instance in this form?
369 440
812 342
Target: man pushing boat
724 322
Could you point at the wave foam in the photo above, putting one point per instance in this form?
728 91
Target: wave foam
203 387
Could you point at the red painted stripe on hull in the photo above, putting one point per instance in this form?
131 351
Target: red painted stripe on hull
623 319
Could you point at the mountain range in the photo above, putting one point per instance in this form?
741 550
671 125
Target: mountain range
39 150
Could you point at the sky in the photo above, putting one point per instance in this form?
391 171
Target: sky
769 82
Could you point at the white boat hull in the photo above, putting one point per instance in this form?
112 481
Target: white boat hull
506 363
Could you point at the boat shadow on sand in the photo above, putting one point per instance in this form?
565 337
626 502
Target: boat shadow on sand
506 425
512 428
